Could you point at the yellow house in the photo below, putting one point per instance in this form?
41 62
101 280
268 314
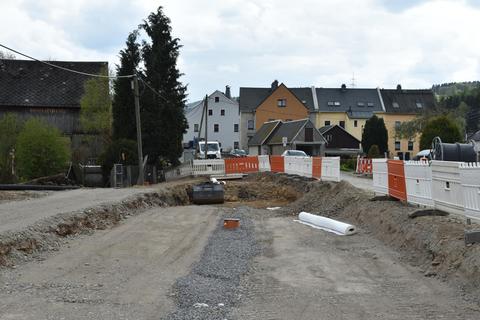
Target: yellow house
402 106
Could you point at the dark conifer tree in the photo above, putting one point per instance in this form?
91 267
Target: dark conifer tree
375 133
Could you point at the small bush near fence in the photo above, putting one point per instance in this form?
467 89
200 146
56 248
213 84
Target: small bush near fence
348 164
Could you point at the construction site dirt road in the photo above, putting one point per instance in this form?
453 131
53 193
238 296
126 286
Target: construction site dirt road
172 260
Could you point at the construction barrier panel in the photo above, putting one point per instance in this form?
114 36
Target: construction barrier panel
263 163
470 180
446 187
330 169
301 166
317 167
241 165
277 164
380 176
208 167
418 179
396 180
364 165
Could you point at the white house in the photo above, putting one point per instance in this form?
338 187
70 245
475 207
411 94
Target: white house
223 120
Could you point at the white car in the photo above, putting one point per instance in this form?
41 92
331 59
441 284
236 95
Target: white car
294 153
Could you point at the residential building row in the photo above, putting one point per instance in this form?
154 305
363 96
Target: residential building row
347 108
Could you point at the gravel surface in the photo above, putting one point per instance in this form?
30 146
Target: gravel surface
209 291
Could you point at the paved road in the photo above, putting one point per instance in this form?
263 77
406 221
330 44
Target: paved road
123 273
305 273
17 215
356 181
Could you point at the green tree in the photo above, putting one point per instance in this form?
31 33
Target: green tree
373 152
10 127
163 118
123 105
41 150
443 127
376 133
122 151
96 107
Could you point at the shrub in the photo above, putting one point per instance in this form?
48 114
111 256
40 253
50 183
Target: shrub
373 152
122 151
40 150
442 127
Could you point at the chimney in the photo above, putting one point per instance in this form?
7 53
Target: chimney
227 92
399 87
344 87
274 85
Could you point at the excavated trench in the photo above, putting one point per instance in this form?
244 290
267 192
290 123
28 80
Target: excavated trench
432 243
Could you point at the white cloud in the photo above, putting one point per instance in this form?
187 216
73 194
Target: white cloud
251 42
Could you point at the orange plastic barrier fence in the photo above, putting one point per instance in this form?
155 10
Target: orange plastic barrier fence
277 164
396 180
317 167
364 165
241 165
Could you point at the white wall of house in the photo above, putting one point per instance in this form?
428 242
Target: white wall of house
223 127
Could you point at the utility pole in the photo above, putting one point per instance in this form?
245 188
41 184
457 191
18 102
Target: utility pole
139 131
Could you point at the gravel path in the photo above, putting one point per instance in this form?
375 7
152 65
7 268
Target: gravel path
356 181
209 291
17 215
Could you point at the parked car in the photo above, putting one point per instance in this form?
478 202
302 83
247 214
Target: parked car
294 153
213 152
238 153
423 154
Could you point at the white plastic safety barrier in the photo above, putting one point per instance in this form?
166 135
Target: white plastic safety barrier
470 180
380 176
326 224
184 170
331 169
208 167
418 180
264 163
301 166
446 187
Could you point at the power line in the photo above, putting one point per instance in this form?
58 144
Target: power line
153 90
65 69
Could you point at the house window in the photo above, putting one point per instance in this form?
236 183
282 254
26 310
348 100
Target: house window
195 127
250 125
281 103
342 124
410 145
395 105
216 127
337 103
222 112
308 134
419 104
210 112
271 119
355 123
370 104
328 137
361 104
217 99
327 122
331 103
235 127
397 145
235 145
397 124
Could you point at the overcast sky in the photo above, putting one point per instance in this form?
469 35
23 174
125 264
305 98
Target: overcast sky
252 42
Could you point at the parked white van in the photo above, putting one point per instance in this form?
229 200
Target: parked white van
213 152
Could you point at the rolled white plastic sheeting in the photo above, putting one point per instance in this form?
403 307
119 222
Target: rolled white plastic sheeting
326 224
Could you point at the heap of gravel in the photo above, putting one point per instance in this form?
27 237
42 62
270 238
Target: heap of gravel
210 290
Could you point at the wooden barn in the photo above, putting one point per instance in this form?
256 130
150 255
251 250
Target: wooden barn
33 89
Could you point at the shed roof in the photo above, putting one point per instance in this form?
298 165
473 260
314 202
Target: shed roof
34 84
263 133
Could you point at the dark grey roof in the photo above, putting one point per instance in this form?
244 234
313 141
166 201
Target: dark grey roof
263 133
325 129
251 98
406 100
31 83
475 136
348 99
287 129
